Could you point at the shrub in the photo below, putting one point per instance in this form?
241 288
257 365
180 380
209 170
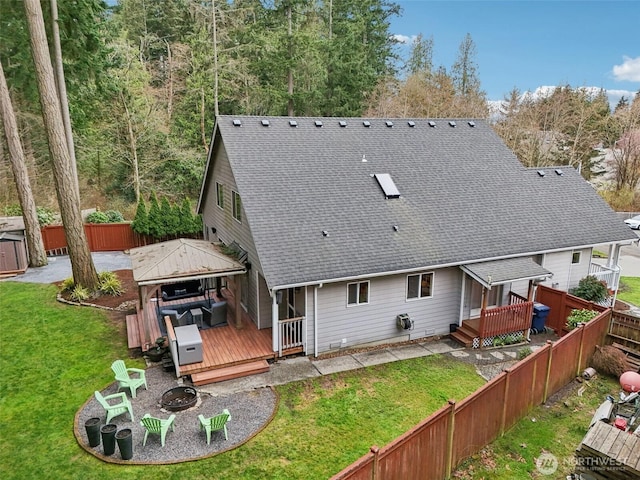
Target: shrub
579 316
13 210
524 352
609 361
67 284
80 293
109 284
97 217
45 216
140 222
591 289
114 216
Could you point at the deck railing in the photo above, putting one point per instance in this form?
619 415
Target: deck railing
507 319
605 274
291 333
514 298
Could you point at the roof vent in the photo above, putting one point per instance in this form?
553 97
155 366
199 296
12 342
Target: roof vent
318 123
237 123
432 124
541 173
472 124
389 123
411 124
364 159
366 123
452 123
293 123
325 233
343 123
559 172
386 184
396 228
265 123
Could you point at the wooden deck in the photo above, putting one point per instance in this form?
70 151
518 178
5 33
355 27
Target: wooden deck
607 452
229 350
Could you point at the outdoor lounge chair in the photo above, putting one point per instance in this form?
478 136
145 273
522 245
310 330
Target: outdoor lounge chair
127 381
115 409
157 426
218 422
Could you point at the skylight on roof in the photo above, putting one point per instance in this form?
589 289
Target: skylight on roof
237 123
386 184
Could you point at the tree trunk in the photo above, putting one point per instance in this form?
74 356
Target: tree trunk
84 271
134 149
37 254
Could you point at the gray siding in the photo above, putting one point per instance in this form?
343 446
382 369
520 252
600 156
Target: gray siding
228 229
376 321
565 274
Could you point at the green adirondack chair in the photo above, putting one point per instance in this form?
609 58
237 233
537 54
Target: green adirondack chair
157 426
218 422
115 409
127 381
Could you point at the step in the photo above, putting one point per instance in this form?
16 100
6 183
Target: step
228 373
468 331
462 338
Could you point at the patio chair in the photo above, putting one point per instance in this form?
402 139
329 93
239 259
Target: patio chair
115 409
127 381
157 426
218 422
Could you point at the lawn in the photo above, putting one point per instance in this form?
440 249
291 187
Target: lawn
630 290
53 356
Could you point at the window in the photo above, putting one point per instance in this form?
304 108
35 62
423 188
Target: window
575 258
220 195
237 206
358 293
420 286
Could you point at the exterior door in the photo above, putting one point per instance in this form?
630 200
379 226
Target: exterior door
475 299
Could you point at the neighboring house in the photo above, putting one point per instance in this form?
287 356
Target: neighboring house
362 231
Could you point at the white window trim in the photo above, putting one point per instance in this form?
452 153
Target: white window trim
233 206
219 188
357 304
419 297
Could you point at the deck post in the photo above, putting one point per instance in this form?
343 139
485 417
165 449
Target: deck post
275 324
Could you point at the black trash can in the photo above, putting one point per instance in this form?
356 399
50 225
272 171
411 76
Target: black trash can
92 426
125 443
108 433
540 314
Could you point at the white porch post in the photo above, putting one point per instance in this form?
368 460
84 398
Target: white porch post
275 326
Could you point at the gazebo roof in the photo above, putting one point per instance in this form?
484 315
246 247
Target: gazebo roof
179 260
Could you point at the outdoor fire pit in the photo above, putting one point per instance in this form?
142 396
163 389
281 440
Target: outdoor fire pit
179 398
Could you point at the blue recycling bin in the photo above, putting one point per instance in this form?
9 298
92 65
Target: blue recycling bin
540 314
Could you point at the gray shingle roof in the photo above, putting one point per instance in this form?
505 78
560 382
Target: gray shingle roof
464 197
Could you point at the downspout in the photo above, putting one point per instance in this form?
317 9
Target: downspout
275 325
463 292
315 319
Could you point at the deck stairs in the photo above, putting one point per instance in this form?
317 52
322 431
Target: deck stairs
230 372
465 333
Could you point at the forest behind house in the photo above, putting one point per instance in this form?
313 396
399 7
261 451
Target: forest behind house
146 78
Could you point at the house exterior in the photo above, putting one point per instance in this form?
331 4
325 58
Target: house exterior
362 231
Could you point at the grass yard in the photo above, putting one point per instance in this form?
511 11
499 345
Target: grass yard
630 290
53 356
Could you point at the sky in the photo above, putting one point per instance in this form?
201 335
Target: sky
531 44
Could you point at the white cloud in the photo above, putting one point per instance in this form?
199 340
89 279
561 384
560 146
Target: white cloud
629 70
403 38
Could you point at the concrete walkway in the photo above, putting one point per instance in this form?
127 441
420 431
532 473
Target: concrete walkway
488 363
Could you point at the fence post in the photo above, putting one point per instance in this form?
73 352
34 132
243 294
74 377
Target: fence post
505 401
548 375
582 327
374 471
450 434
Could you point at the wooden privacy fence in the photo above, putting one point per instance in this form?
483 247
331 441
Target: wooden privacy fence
102 237
432 449
560 304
